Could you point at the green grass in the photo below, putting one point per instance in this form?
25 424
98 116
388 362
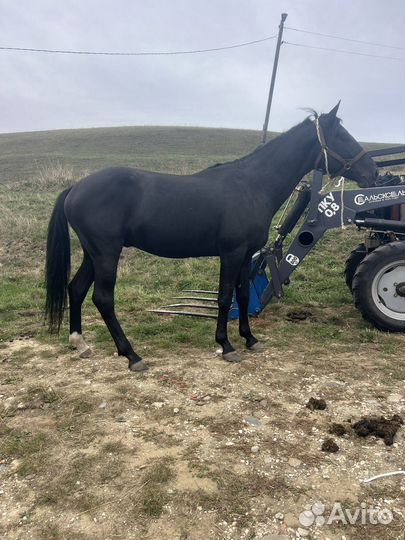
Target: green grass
154 496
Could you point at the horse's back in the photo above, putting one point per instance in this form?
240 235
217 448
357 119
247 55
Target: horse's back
168 215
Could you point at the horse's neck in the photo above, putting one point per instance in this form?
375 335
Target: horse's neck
281 164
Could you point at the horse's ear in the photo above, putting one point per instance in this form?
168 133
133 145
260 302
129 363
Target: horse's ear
332 114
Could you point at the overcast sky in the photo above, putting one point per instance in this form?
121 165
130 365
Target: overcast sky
220 89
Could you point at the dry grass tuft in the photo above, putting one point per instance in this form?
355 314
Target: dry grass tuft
54 175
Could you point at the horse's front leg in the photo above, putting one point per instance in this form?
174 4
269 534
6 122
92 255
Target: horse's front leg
230 268
242 297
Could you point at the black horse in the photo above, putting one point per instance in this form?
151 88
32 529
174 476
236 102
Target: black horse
225 210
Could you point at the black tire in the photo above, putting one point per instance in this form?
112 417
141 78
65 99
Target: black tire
355 258
379 287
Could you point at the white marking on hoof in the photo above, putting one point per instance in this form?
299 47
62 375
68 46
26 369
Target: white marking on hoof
77 341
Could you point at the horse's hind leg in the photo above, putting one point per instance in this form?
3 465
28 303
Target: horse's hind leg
242 297
105 269
78 289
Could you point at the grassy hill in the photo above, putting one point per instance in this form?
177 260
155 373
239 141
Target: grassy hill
169 149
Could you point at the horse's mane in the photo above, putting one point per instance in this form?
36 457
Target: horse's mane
278 139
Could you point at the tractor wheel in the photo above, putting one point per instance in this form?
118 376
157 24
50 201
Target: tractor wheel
379 287
355 258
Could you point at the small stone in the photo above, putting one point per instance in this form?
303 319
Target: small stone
176 410
279 516
255 449
263 402
206 398
21 405
158 404
229 443
302 532
395 398
103 405
294 462
252 421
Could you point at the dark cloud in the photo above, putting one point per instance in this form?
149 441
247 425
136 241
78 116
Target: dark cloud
226 89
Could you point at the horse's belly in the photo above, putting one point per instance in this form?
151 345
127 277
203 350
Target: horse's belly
174 242
177 252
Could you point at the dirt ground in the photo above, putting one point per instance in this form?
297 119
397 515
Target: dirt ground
195 448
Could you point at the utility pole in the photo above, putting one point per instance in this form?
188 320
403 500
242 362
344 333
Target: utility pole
273 75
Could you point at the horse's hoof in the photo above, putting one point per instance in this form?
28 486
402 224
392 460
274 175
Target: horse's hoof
86 353
138 366
232 356
257 347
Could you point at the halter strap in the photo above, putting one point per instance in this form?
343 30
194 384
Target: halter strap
326 151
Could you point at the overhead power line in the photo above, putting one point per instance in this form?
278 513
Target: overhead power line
145 53
215 49
344 38
343 51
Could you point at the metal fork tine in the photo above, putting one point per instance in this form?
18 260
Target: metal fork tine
203 306
201 299
199 291
186 313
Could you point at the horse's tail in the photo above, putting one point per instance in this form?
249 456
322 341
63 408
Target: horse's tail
57 269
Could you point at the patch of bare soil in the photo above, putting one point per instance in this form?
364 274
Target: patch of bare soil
196 447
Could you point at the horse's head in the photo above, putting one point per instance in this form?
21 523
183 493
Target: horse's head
340 153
